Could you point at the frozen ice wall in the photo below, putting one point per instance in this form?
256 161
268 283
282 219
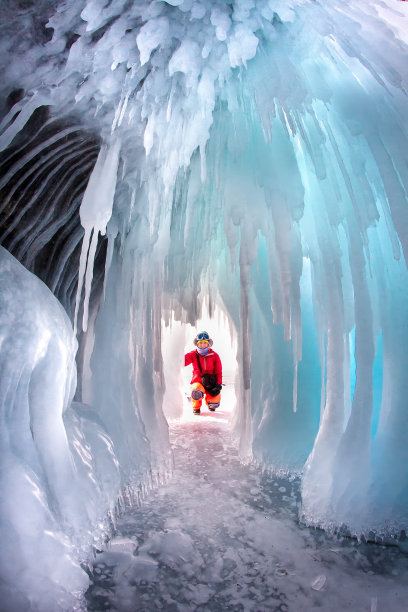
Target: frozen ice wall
51 452
249 154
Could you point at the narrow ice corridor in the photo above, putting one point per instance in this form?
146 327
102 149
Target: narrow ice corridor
224 536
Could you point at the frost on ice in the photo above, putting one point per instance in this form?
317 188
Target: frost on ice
159 155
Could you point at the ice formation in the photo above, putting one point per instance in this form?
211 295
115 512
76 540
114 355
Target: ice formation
252 154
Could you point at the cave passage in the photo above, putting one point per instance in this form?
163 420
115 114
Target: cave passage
223 535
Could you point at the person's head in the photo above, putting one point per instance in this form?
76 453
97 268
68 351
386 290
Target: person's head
203 341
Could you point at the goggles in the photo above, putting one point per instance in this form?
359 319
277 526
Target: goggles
203 336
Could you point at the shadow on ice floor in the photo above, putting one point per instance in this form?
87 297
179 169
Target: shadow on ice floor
221 536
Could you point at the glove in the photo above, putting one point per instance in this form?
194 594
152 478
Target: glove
216 389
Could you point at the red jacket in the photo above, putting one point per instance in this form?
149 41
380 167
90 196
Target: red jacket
210 364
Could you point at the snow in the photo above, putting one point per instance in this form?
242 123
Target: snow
252 170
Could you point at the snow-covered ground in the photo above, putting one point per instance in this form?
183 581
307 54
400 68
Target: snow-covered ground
220 535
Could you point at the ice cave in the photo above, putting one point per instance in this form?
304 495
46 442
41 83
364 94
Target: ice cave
162 161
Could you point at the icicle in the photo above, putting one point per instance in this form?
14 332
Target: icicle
95 212
203 163
88 278
120 111
170 104
19 122
81 273
149 135
295 386
112 232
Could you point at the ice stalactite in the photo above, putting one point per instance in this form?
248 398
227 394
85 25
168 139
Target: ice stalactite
95 213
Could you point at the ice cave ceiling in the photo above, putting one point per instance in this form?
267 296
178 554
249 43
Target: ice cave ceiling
71 73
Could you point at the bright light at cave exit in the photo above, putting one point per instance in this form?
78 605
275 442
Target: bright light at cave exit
177 339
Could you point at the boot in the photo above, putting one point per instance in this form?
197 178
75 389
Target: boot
213 406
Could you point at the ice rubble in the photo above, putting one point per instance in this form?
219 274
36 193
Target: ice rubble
262 164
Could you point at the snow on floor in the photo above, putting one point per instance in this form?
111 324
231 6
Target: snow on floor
220 535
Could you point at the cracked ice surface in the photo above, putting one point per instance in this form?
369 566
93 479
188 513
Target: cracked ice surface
220 535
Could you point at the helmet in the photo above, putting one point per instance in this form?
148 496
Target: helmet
203 336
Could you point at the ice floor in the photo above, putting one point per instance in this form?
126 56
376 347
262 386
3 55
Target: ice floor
222 536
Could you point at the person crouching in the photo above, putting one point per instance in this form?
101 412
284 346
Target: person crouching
207 373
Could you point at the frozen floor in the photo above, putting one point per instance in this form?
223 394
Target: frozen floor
222 536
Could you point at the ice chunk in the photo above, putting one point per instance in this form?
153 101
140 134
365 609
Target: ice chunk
221 21
198 10
122 545
175 549
186 59
242 45
319 582
155 33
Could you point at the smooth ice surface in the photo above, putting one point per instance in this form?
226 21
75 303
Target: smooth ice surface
221 535
38 509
